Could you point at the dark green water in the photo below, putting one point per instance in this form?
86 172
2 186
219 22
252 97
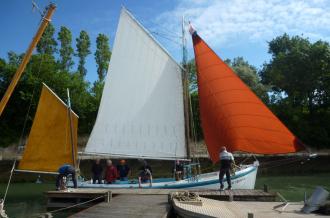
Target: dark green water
27 199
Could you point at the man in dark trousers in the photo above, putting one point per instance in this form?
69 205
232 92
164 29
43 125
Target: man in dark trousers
97 171
64 171
145 174
178 170
226 160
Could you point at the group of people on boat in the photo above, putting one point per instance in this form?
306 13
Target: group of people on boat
119 172
122 171
111 174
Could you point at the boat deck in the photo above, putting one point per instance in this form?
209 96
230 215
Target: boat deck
239 209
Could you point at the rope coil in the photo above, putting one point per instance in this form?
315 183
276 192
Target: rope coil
186 196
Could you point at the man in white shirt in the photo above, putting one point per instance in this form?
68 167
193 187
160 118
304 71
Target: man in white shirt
226 160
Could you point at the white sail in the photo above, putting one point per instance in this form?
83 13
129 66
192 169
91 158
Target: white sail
141 111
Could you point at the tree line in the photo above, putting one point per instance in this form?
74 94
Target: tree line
294 83
53 63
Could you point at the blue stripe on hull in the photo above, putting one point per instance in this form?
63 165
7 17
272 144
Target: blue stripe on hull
178 186
204 183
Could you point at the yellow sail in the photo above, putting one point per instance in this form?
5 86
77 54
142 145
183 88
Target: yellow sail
49 143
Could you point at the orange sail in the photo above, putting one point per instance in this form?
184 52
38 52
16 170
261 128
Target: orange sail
49 143
231 114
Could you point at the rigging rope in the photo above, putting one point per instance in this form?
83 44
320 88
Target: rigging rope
165 37
76 205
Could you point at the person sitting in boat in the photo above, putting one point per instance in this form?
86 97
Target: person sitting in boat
226 161
123 170
64 171
178 170
97 171
145 174
111 173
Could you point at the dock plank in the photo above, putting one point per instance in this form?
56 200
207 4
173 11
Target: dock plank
129 206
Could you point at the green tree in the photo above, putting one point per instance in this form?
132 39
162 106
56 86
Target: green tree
83 46
41 68
102 55
66 50
299 74
47 43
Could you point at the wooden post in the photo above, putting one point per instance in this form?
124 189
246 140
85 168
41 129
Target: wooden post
45 20
231 196
108 197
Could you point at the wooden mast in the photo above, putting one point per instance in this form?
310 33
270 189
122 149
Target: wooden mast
185 84
45 20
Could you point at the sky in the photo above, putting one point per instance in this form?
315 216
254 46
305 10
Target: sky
232 28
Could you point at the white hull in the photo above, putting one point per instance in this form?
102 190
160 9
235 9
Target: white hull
243 179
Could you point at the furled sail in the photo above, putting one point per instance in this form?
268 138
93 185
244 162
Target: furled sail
231 114
141 111
49 144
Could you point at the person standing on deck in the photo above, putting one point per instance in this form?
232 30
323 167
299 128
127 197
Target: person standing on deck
111 173
178 170
64 171
145 174
123 170
226 160
97 171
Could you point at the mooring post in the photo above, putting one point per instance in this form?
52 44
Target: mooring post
108 197
231 196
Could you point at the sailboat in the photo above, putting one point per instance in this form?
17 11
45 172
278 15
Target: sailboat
141 114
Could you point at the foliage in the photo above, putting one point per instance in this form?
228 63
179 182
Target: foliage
102 55
45 68
66 50
299 74
83 46
47 43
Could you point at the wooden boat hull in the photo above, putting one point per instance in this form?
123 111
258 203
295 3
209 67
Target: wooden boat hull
243 179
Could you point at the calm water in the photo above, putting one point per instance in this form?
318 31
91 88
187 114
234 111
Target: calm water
27 199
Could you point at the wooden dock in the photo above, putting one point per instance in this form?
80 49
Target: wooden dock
137 202
56 199
70 197
129 206
161 203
